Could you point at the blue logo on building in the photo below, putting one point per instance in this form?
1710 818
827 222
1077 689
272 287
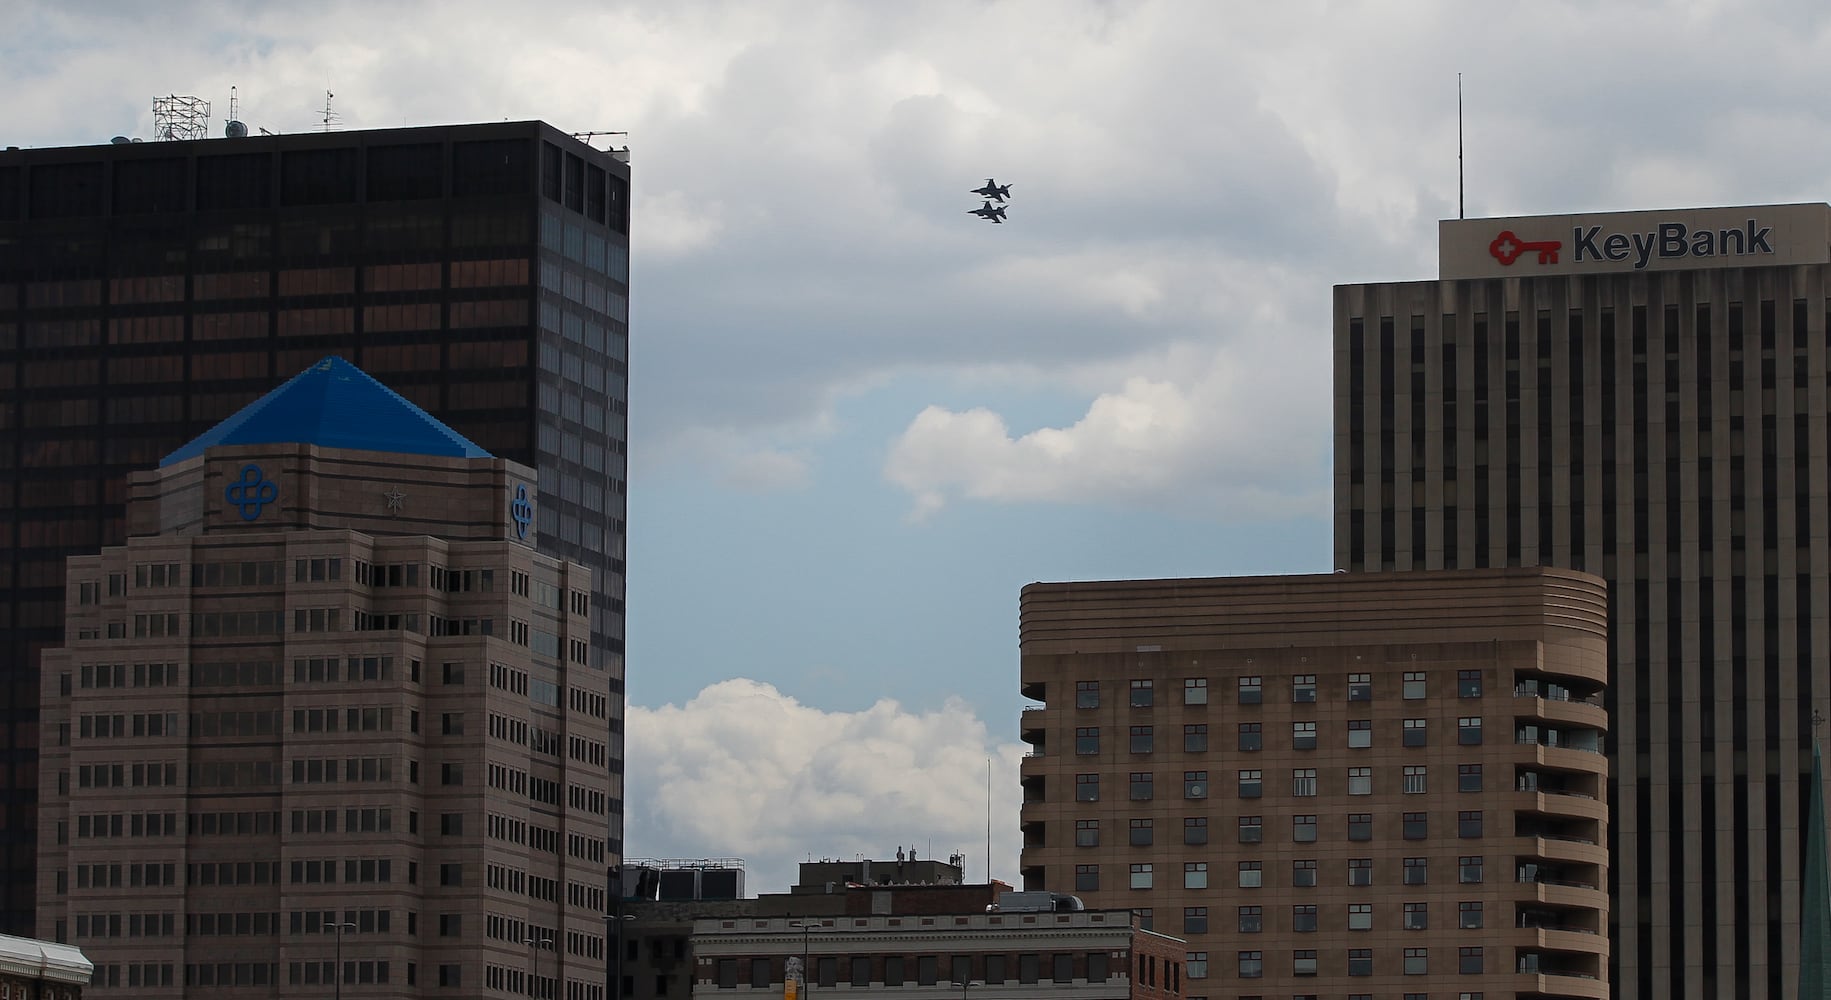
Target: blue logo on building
251 492
521 511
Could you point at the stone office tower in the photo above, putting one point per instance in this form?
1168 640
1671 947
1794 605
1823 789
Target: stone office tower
149 290
1351 785
1642 396
328 711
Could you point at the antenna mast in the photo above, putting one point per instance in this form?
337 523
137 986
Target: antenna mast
1460 213
988 821
330 117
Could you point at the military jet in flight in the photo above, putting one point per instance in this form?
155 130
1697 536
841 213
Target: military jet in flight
993 189
989 214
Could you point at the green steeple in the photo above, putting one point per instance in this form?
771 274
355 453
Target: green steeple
1815 897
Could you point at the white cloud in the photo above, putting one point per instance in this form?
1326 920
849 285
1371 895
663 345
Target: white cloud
743 770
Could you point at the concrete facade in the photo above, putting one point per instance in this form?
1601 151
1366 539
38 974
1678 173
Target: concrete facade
1665 427
1346 785
361 698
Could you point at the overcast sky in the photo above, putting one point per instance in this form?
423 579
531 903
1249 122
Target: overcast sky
862 419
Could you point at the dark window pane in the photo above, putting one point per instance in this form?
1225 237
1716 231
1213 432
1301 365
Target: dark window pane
497 166
66 190
317 176
242 181
404 173
148 186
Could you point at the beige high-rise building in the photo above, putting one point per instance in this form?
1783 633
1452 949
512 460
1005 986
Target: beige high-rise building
1641 395
1374 785
326 723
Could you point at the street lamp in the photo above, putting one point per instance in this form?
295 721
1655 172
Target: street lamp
534 946
616 965
806 927
337 972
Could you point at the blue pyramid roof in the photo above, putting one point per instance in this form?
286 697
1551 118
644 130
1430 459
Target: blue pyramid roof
335 404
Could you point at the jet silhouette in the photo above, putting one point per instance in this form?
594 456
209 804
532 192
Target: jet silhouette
989 214
993 189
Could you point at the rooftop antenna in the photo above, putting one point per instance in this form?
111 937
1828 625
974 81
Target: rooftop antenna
330 119
234 127
1460 213
176 117
988 821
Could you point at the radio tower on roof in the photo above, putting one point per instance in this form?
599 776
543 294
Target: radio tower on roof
330 120
177 117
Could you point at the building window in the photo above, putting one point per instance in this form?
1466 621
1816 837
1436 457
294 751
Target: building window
1195 920
1468 824
1417 961
1360 916
1469 915
1360 961
1142 739
1087 740
1147 920
1303 829
1360 826
1195 739
1141 876
1141 833
1303 962
1195 690
1087 694
1303 919
1303 689
1413 733
1468 777
1195 874
1195 830
1252 875
1087 833
1141 786
1360 734
1252 691
1195 784
1360 687
1303 735
1087 878
1252 920
1252 784
1468 731
1468 683
1360 781
1303 873
1303 782
1469 869
1196 965
1414 685
1142 694
1252 829
1416 871
1417 916
1250 737
1415 783
759 973
1469 961
1360 871
1087 788
1252 964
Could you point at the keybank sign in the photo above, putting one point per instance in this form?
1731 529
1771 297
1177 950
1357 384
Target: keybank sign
1670 239
1635 241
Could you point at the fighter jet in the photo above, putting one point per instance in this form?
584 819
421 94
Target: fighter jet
989 214
993 189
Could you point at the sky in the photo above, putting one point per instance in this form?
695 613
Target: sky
862 419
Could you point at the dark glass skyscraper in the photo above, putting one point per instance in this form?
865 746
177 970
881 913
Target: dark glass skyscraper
147 291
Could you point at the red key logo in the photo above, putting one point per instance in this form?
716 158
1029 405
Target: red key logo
1508 248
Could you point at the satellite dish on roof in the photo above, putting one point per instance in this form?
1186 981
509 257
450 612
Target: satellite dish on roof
235 130
120 140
